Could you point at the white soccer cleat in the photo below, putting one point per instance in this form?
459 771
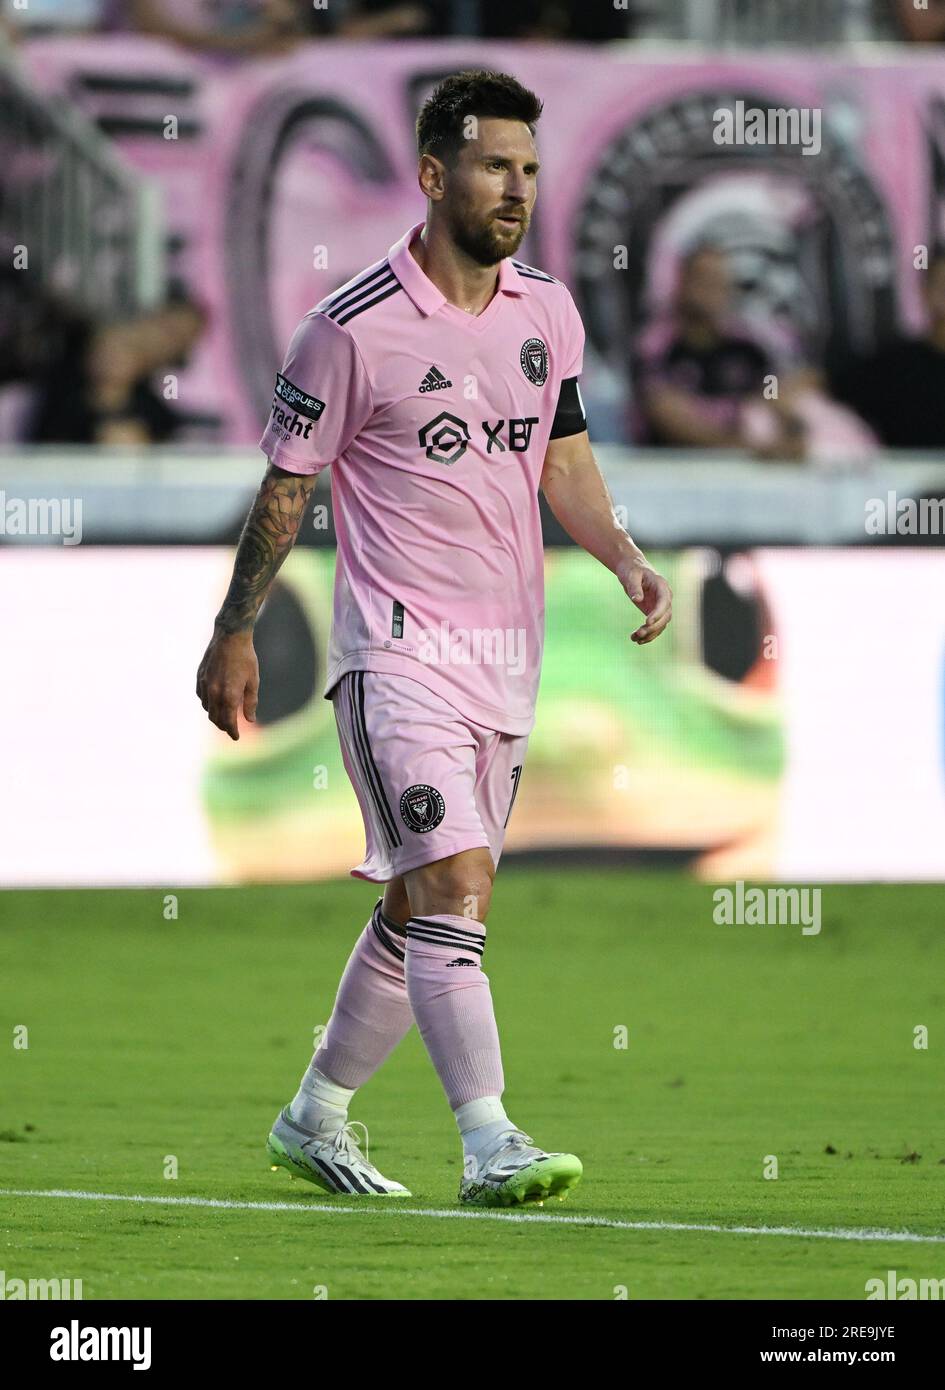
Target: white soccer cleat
331 1159
515 1171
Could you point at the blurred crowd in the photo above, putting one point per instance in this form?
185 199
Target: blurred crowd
702 377
68 377
706 378
243 28
700 374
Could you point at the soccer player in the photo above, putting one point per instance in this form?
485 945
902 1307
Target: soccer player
442 384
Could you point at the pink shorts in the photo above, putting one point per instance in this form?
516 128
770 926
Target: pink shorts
429 781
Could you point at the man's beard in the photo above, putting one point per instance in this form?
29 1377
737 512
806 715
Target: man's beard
484 244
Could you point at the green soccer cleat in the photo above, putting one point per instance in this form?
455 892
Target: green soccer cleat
331 1160
516 1172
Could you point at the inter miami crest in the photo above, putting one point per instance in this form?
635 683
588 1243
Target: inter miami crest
422 808
534 360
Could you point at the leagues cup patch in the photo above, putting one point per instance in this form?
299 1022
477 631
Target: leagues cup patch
422 808
297 399
534 360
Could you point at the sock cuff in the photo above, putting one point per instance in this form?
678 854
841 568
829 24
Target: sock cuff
472 1114
322 1089
386 921
383 929
449 931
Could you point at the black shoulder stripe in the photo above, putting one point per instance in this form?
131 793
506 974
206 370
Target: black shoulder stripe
533 272
340 296
534 269
350 300
353 313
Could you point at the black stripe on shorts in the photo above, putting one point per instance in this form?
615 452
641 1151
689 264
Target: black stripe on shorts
353 684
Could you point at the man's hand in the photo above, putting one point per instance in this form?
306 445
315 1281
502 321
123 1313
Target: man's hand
651 594
228 680
577 495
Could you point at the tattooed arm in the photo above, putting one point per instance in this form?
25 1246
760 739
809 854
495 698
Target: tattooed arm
228 679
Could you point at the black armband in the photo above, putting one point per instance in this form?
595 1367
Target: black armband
569 416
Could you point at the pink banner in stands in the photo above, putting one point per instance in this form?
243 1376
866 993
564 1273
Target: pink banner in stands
283 177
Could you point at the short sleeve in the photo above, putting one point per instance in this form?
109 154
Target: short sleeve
322 398
573 352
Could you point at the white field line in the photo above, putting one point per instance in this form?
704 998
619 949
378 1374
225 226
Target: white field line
392 1207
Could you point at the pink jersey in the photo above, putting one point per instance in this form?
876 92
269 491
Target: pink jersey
437 422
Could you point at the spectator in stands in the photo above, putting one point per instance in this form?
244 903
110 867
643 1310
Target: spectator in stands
699 371
248 27
923 23
235 27
100 389
900 390
574 20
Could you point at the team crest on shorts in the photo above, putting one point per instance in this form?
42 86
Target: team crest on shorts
422 808
534 360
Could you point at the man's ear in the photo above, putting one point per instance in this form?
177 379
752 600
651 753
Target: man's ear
430 176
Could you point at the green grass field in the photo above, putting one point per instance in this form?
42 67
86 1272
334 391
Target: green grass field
150 1038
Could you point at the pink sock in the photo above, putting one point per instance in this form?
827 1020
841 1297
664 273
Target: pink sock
372 1012
452 1003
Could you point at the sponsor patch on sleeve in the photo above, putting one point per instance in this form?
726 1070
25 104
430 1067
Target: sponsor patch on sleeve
297 400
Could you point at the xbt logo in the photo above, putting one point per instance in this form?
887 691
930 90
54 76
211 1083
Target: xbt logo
446 437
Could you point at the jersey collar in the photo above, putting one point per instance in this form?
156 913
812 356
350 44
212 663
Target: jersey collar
423 292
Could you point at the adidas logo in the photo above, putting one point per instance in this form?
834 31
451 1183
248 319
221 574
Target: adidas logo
434 381
459 961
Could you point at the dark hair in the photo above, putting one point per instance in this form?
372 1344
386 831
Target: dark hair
472 93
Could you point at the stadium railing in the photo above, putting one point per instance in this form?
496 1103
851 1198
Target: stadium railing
92 228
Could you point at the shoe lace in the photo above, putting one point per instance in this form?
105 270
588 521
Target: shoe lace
515 1140
346 1142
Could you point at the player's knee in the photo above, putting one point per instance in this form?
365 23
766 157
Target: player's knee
476 900
458 886
462 894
